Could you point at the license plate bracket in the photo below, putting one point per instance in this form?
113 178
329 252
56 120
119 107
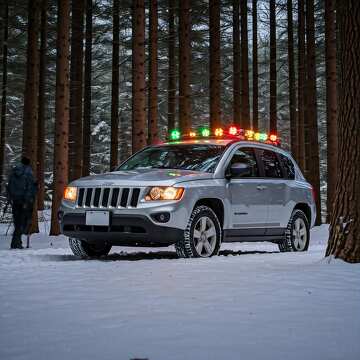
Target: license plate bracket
98 218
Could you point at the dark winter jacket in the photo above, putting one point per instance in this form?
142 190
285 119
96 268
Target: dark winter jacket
22 186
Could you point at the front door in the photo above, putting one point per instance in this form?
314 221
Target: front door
248 198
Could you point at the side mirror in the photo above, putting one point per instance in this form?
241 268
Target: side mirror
239 170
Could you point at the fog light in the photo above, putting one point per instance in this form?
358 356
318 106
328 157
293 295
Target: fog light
163 217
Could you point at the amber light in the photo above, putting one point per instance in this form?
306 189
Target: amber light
164 193
70 193
219 132
192 134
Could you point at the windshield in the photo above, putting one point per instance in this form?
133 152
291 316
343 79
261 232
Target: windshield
186 157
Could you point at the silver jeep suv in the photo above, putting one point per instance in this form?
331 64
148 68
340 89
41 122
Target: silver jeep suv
195 194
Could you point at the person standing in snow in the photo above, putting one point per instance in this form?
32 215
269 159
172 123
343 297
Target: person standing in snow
22 189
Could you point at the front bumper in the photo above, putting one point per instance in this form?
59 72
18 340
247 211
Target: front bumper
124 230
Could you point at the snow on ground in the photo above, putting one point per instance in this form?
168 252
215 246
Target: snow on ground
249 303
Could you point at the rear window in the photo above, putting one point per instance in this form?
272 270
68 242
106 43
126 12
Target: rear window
288 167
271 164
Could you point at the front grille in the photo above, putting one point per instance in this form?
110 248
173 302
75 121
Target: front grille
108 197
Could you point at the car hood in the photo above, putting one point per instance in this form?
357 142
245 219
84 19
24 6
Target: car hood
144 177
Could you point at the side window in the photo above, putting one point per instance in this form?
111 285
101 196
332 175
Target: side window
288 166
272 167
247 156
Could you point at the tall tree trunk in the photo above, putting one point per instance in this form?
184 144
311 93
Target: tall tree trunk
153 73
30 127
292 84
61 134
255 100
344 241
311 114
172 68
4 88
42 109
76 90
214 28
236 63
331 102
184 66
273 83
138 75
301 85
245 102
114 148
87 90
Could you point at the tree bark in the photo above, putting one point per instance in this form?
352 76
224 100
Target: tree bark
344 241
245 102
331 102
255 98
215 78
42 108
138 75
114 147
153 73
30 118
184 66
87 90
236 63
172 68
76 91
301 85
4 89
311 113
273 82
292 83
61 134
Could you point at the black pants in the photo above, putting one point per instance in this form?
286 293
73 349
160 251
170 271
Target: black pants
22 219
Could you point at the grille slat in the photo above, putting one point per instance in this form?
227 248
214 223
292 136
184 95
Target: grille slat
124 197
88 197
134 197
114 197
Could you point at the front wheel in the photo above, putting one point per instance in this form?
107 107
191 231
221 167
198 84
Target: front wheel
83 249
297 236
202 236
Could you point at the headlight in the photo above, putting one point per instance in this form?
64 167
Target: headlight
70 193
164 193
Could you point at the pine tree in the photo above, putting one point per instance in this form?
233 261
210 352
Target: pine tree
4 88
236 63
273 82
42 107
115 87
138 76
61 134
76 90
344 241
245 102
331 102
153 73
184 65
87 89
172 67
214 28
255 92
313 165
292 84
301 85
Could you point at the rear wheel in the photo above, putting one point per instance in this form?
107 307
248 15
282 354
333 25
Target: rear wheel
202 236
83 249
297 235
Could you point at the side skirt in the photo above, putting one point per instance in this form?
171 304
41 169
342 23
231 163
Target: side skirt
254 235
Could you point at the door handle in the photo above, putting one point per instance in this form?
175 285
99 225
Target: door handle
261 187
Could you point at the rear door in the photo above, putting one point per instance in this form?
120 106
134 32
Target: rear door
249 208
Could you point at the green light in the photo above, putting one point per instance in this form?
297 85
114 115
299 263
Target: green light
205 132
175 134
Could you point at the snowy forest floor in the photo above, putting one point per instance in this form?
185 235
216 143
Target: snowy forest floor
249 303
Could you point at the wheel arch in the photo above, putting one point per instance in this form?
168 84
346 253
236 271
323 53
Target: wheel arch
215 205
305 208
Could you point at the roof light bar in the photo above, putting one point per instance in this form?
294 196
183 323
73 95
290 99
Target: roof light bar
232 131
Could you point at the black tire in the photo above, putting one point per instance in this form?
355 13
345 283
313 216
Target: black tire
186 247
85 250
290 242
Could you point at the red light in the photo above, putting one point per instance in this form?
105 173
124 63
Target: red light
273 138
233 130
219 132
